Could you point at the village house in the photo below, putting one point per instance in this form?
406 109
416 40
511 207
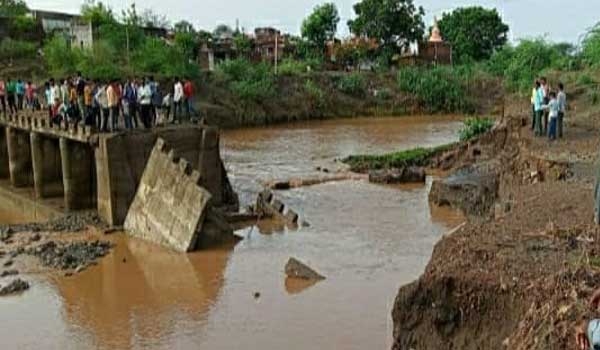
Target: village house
79 34
267 44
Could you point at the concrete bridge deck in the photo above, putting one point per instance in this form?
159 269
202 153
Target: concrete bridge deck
92 170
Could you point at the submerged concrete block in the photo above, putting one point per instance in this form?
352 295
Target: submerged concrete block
169 207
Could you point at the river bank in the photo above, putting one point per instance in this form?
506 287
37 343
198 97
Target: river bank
518 274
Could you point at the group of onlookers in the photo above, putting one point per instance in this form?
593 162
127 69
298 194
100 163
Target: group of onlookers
16 95
107 105
549 108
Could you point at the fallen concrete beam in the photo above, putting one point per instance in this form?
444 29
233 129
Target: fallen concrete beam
170 206
268 206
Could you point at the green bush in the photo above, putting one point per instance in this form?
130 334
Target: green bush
522 64
290 67
440 89
352 84
474 127
247 80
585 79
17 49
61 60
315 93
590 47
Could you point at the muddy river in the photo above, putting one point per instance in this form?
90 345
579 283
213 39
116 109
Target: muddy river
366 239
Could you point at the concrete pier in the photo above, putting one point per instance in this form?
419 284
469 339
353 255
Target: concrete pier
4 172
19 157
78 175
47 166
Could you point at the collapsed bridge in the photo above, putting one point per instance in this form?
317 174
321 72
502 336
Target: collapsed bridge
88 170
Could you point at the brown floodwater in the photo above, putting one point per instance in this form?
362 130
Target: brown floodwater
368 240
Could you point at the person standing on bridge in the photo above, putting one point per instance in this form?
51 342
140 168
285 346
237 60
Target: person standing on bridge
188 92
20 94
145 100
177 99
3 97
102 100
112 95
11 96
129 103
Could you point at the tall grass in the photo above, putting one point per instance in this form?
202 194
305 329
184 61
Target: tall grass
440 89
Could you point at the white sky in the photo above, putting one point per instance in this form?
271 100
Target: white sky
558 20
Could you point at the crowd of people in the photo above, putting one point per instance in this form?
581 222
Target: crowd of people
548 109
107 105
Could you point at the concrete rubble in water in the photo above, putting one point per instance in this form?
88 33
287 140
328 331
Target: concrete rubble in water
296 269
170 207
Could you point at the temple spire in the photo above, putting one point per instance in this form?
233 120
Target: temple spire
435 37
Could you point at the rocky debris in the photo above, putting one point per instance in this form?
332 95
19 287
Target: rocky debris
68 223
296 269
7 273
69 256
6 234
14 287
501 209
472 190
396 176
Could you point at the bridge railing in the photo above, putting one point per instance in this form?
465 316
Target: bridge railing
38 122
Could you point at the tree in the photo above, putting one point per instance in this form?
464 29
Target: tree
184 27
13 8
395 23
97 13
243 44
474 32
321 26
154 20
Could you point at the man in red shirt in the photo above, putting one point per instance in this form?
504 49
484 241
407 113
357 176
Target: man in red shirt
188 93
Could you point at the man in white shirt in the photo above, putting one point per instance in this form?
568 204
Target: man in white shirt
145 100
177 98
562 108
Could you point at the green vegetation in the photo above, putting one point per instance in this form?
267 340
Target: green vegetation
520 65
440 89
352 84
475 32
411 157
474 127
248 81
16 49
395 23
321 26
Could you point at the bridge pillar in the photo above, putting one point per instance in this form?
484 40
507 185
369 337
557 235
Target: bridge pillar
47 166
209 164
78 174
4 172
19 157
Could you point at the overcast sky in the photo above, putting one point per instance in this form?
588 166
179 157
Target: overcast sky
558 20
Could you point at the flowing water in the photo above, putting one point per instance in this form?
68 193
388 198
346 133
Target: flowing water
366 239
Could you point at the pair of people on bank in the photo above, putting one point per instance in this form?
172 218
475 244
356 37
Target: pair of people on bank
549 108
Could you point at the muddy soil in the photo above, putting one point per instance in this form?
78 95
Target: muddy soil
518 279
69 244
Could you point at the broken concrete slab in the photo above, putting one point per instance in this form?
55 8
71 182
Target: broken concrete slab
268 206
296 269
170 206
